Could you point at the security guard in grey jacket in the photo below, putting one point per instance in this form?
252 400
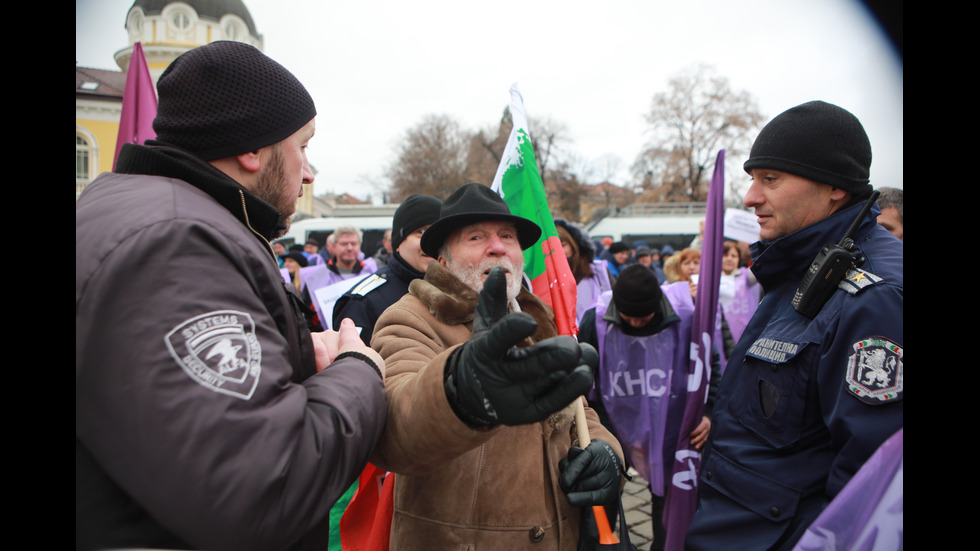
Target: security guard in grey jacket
206 414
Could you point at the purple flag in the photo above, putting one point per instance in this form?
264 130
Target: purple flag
868 514
682 491
139 105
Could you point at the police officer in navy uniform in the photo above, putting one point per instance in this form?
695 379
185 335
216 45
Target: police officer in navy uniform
369 298
807 396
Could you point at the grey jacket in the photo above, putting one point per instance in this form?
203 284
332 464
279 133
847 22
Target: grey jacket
200 420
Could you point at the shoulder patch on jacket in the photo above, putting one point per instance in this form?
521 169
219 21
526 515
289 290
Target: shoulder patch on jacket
220 351
875 370
856 279
369 284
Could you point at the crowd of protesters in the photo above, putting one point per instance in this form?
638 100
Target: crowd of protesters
226 397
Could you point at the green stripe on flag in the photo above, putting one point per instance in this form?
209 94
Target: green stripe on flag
524 194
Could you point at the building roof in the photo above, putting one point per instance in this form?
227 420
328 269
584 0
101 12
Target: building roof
209 9
99 83
348 199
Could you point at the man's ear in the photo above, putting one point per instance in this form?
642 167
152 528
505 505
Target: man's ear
838 198
251 161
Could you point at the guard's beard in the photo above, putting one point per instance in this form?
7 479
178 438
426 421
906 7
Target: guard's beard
271 187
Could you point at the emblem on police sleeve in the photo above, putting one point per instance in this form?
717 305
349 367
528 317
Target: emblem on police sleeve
874 371
220 351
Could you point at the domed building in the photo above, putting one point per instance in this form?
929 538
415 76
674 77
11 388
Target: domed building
166 29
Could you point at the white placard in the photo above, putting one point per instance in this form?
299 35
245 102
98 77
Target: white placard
741 225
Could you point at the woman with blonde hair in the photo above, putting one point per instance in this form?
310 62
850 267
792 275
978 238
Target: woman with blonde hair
292 262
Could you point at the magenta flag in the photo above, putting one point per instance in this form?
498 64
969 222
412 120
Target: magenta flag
682 492
139 105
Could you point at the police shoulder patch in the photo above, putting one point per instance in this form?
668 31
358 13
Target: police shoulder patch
220 351
856 279
368 284
874 371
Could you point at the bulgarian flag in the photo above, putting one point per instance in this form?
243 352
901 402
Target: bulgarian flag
545 264
366 521
522 188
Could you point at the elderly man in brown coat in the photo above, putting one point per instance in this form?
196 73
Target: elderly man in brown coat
481 390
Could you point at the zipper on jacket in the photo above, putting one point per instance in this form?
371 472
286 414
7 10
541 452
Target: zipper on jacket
248 224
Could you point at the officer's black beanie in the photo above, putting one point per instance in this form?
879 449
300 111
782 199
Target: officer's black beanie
227 98
818 141
637 292
415 211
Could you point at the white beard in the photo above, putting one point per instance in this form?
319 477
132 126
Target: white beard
474 276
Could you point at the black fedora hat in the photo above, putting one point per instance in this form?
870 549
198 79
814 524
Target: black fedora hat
470 204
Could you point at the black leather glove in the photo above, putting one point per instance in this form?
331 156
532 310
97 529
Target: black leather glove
490 382
591 476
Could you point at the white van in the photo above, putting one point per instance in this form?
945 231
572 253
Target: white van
373 228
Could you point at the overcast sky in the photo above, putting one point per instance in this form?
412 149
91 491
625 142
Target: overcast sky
377 67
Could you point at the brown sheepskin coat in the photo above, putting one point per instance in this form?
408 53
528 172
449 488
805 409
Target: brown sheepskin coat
459 487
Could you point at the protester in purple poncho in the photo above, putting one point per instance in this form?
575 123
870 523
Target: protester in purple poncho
643 332
740 291
345 264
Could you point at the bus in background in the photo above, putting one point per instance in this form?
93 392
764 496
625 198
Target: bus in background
372 227
655 224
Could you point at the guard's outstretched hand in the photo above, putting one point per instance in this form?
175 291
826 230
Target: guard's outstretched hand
329 344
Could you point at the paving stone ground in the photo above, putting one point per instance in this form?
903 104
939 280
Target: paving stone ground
636 507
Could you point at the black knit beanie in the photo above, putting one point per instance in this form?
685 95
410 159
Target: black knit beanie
618 247
416 211
637 292
227 98
298 257
818 141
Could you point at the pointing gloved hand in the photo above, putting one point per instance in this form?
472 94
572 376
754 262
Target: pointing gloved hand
490 382
591 476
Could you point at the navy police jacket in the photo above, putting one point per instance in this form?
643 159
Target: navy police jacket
366 300
803 403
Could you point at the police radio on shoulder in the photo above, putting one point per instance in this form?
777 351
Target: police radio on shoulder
829 267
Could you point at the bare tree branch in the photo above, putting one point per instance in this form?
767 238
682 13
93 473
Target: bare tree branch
431 159
699 115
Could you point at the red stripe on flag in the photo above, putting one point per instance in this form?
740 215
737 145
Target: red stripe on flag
366 524
556 286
